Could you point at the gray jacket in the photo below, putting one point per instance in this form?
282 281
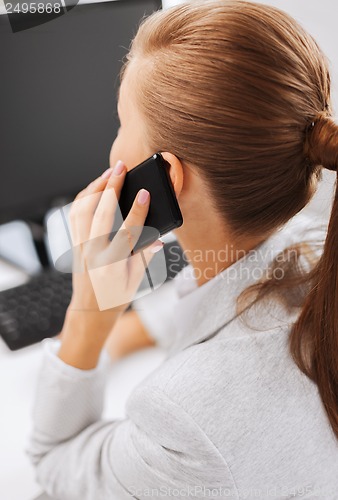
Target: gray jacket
227 415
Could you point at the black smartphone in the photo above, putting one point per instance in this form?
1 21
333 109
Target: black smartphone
164 212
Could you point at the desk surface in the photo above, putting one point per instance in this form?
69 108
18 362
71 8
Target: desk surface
18 376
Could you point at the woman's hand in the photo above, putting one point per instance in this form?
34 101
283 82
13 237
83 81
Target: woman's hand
106 275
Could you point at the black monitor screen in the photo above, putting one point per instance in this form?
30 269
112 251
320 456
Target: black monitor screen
58 115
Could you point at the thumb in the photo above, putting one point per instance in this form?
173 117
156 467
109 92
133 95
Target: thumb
155 247
147 253
140 261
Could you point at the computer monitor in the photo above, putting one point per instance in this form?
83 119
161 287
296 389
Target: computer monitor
58 116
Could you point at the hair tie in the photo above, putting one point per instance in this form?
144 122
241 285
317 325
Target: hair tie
320 115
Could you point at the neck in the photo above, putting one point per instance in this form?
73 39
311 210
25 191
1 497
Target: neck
209 252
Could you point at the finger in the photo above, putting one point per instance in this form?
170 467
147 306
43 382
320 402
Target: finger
83 208
106 210
128 274
96 185
135 220
81 215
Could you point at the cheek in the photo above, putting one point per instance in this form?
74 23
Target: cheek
131 152
116 152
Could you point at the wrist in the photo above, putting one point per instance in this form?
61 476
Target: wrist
83 336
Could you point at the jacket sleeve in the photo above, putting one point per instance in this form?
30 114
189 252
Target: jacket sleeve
156 451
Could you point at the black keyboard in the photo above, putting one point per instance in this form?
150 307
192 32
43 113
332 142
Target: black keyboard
35 310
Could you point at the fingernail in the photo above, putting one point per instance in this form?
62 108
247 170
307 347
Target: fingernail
143 197
119 167
157 247
107 173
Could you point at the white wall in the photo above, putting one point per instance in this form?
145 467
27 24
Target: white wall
320 19
170 3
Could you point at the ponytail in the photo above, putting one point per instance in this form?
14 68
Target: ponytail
253 78
314 337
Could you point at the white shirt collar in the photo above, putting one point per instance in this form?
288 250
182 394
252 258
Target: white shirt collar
201 311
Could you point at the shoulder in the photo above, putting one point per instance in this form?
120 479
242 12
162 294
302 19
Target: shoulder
223 375
231 394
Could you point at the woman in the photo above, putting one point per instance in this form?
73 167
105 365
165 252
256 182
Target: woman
236 96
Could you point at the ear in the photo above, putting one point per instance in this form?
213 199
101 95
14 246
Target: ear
175 171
